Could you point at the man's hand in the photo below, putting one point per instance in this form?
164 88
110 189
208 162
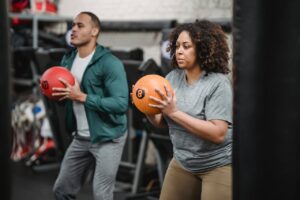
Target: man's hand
71 92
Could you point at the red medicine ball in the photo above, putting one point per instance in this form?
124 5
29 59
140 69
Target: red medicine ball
50 79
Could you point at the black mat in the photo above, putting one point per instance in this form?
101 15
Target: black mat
30 185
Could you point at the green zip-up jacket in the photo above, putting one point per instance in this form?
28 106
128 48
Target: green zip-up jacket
104 81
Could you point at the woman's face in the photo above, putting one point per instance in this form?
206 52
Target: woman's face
185 51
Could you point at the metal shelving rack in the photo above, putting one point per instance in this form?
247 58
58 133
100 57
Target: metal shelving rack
36 18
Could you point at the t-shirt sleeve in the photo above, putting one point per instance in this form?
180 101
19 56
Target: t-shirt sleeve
219 103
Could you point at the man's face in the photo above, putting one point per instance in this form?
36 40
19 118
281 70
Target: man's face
83 31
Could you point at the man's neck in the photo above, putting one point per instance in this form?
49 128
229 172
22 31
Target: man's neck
86 50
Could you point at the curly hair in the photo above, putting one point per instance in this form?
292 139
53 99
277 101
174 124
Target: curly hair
210 42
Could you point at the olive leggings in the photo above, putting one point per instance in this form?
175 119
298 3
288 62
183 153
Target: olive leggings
180 184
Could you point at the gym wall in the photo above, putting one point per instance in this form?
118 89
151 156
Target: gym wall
181 10
136 10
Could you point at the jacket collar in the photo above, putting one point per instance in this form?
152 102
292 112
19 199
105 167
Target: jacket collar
99 53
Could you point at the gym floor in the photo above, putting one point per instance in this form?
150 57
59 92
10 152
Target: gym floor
30 185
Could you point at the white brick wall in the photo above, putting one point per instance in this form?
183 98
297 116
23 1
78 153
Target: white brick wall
149 9
180 10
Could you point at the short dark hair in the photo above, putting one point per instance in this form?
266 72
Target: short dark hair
210 42
94 18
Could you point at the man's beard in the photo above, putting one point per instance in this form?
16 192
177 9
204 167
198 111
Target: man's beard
79 44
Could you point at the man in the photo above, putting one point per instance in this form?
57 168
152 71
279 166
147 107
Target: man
96 108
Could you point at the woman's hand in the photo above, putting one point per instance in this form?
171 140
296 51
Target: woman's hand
167 103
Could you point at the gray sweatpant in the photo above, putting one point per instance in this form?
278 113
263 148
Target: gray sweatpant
80 156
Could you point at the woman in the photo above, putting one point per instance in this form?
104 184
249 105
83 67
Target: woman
198 114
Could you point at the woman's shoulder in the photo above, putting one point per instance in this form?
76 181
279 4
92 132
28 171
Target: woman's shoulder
175 73
217 77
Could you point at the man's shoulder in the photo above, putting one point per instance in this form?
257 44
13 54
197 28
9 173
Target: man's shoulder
109 58
105 54
68 56
70 52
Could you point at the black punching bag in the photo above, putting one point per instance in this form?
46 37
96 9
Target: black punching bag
266 74
4 103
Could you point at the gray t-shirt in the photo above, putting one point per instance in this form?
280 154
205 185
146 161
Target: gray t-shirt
209 98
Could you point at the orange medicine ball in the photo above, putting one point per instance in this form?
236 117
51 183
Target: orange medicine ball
144 88
50 79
